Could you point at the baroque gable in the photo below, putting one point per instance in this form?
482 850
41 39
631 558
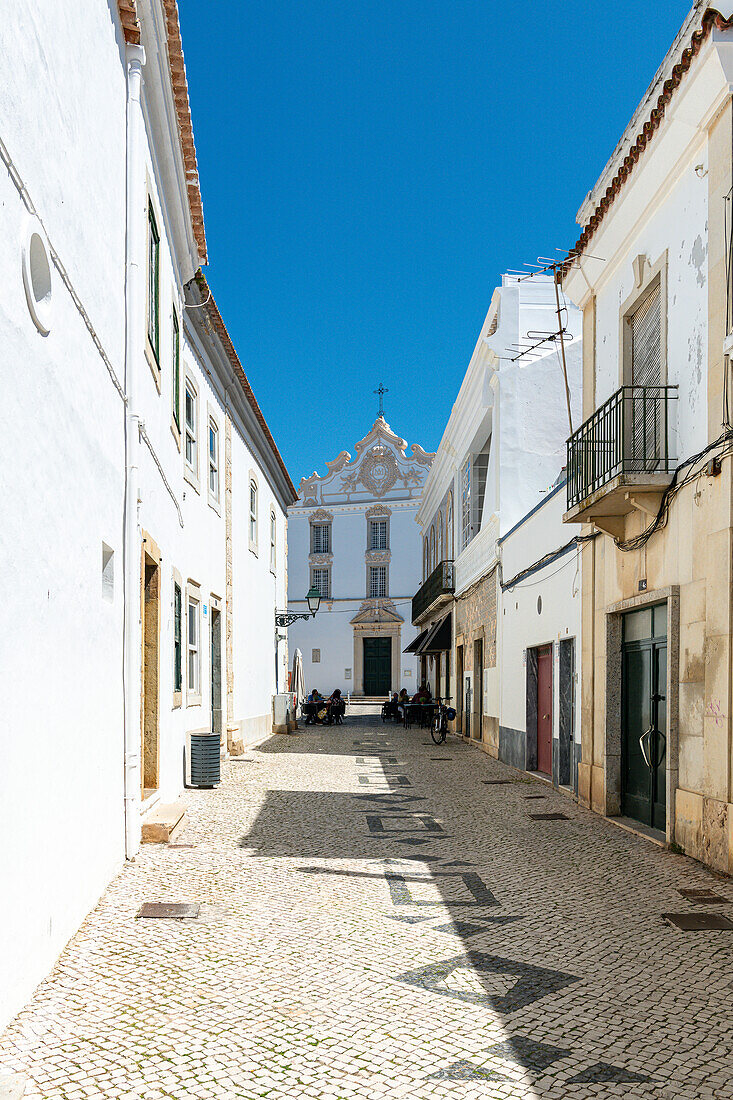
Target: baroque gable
382 470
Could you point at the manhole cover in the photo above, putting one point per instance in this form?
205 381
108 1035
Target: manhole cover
549 817
172 910
496 782
704 897
698 922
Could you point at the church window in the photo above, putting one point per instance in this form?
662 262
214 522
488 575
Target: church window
377 581
433 562
378 534
191 447
273 541
153 283
439 556
321 581
320 538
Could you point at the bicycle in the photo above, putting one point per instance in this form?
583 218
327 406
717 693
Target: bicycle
439 726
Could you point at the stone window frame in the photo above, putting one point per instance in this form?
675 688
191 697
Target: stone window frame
371 565
449 533
193 594
322 567
177 582
643 283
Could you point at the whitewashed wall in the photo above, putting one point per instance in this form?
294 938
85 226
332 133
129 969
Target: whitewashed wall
522 625
62 119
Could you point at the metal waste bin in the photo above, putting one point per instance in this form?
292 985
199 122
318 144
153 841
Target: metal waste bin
203 759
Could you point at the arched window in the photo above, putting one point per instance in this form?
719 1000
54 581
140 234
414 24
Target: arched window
432 548
253 514
449 528
425 552
439 557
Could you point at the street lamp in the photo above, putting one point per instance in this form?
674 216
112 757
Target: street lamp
286 618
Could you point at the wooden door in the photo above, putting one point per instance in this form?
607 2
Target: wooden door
377 665
544 710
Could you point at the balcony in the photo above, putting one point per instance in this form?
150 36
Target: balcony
622 458
435 591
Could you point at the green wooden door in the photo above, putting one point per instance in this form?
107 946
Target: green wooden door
644 728
377 666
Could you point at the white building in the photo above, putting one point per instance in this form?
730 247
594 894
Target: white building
352 535
502 451
143 543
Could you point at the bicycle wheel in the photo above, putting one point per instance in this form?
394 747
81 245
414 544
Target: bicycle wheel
435 731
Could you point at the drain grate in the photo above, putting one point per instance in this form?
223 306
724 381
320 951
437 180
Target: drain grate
441 757
177 846
496 782
169 910
704 897
550 817
698 922
528 796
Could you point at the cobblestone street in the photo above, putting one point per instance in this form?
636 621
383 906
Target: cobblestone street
381 917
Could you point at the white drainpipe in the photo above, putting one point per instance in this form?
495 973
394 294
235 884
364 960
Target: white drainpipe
134 334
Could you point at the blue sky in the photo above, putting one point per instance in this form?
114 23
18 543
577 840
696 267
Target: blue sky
370 168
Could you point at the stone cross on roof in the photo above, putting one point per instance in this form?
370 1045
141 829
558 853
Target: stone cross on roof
381 391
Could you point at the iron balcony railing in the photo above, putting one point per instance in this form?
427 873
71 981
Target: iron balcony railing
631 433
439 583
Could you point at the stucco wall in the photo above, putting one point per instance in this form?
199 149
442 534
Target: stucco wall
61 484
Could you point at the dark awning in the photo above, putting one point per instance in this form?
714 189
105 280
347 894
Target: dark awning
438 637
412 647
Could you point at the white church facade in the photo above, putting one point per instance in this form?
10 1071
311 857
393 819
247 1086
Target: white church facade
352 535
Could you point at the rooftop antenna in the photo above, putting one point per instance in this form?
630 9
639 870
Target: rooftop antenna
381 391
528 348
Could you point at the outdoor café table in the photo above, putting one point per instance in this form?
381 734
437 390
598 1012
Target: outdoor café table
420 708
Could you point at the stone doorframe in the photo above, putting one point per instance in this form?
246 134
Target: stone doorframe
614 658
376 630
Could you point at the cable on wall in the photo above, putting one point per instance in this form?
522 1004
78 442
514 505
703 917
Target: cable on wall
146 440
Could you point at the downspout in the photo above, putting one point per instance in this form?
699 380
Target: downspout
134 251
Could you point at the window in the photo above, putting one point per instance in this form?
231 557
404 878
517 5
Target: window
191 451
213 458
321 581
432 548
108 573
645 331
273 541
320 538
177 639
377 581
449 528
153 282
378 534
466 504
194 683
176 372
425 559
440 540
252 514
315 656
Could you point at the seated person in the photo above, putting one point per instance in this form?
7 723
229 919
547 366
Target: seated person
337 705
315 696
422 695
391 708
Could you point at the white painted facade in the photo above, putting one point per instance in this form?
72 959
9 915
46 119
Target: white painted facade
486 497
380 486
94 479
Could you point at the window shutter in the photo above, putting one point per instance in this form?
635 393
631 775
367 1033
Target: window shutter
646 340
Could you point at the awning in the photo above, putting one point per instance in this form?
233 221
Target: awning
438 637
412 647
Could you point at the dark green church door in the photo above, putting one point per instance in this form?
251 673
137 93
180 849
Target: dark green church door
644 722
377 666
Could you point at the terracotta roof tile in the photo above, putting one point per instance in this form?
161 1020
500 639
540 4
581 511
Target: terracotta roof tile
217 323
710 19
128 18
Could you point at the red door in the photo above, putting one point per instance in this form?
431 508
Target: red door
544 710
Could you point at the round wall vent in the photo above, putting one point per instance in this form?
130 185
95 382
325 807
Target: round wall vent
37 277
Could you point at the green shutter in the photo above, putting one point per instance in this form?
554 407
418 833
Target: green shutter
177 666
176 372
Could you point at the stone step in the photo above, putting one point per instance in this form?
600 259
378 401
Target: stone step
162 821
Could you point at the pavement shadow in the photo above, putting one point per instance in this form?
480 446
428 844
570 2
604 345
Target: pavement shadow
418 862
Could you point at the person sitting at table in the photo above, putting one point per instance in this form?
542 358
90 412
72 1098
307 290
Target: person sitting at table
422 695
391 708
315 696
337 706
